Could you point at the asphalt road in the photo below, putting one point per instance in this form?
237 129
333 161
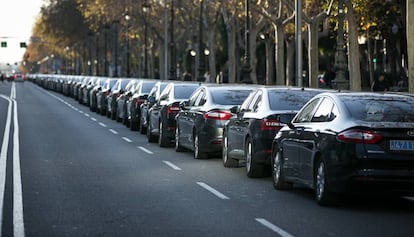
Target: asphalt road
82 174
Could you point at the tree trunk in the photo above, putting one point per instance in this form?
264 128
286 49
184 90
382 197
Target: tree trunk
313 54
290 63
410 45
280 54
270 62
354 59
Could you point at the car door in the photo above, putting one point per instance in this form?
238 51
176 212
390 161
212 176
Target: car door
312 136
293 141
183 119
236 126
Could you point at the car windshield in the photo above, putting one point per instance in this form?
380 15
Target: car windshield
229 97
289 99
184 91
381 109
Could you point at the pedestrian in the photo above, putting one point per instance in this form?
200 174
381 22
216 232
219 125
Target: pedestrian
2 77
381 84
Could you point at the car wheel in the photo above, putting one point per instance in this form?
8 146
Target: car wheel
150 136
228 161
277 172
142 128
323 195
197 153
163 141
253 169
178 147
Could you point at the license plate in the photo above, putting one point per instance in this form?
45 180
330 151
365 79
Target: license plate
401 145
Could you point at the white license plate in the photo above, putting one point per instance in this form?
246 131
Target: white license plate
401 145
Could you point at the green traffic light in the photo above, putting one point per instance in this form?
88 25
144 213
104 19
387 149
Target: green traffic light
4 44
374 60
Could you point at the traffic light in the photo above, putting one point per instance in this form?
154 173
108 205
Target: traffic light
3 44
23 45
374 60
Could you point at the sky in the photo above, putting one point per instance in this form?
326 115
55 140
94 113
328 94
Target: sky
17 18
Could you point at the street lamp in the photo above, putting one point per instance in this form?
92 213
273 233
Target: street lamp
145 9
115 23
172 75
127 18
340 60
201 65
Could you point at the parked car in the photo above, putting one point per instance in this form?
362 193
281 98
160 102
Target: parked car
348 142
201 118
249 134
133 104
121 108
93 101
152 97
161 116
87 90
101 96
116 91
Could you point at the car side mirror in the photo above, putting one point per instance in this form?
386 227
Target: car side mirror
151 99
235 109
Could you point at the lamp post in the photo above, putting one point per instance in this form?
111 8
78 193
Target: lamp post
145 9
106 50
201 64
246 60
340 60
172 75
127 18
115 23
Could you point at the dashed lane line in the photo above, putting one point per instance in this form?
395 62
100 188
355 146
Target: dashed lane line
113 131
273 227
213 191
145 150
127 139
174 167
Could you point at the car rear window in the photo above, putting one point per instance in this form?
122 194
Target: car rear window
381 109
229 97
146 87
289 99
184 91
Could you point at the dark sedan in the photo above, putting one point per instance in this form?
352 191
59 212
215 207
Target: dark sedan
202 117
161 116
116 91
249 134
343 142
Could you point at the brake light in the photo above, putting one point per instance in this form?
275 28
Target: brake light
359 136
217 115
172 109
270 124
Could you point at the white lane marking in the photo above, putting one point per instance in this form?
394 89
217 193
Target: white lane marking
18 223
3 158
174 167
80 111
87 115
126 139
213 191
145 150
273 227
113 131
102 124
93 119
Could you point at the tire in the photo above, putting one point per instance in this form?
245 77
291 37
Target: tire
133 125
197 153
163 141
253 170
151 138
323 195
228 161
278 177
178 147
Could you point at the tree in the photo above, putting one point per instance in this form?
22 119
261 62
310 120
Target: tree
410 43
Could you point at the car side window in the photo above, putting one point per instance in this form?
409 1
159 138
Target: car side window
305 115
323 113
194 98
245 105
199 98
255 102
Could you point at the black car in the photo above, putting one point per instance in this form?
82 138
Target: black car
161 116
249 134
134 102
122 101
202 117
116 91
93 102
348 142
102 94
151 99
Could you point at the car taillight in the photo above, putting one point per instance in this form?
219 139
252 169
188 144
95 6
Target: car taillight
270 124
359 136
217 115
172 109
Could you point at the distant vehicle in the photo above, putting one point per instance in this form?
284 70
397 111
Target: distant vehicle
18 77
348 142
